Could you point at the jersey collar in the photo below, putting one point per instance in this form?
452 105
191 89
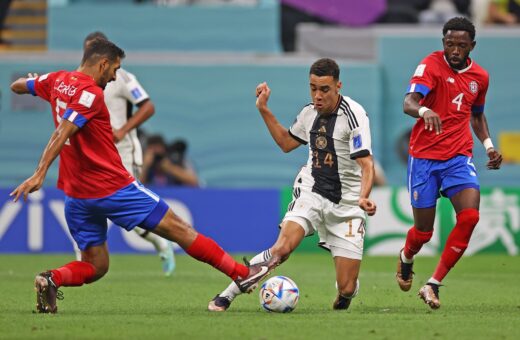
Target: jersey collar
459 71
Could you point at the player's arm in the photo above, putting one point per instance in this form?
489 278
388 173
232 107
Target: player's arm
367 179
64 130
411 107
279 133
145 110
480 127
19 86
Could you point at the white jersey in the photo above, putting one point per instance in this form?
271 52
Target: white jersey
335 141
120 97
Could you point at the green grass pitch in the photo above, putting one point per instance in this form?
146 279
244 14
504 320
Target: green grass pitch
481 300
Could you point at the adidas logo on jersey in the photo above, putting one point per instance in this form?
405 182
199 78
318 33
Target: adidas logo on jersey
450 80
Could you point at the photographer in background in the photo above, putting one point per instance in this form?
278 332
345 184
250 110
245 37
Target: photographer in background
165 165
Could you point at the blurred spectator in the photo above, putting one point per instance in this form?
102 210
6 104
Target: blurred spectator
4 9
205 2
167 165
353 13
402 145
504 12
440 11
403 11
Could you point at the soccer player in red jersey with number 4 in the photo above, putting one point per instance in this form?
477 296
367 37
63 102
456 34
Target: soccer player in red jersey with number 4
97 185
446 94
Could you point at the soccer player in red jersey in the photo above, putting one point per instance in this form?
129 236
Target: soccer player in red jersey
97 185
446 95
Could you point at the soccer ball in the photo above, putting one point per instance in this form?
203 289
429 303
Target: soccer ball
279 294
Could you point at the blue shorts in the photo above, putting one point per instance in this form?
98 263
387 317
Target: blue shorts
428 179
131 206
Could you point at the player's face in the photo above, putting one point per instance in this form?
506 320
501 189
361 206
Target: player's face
324 93
457 45
108 72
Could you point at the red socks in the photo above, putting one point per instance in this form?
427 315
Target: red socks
73 274
457 242
206 250
415 240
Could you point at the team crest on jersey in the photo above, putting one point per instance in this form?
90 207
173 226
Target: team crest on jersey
473 87
321 142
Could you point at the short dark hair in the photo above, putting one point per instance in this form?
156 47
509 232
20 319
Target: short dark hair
325 67
155 140
95 35
459 24
101 48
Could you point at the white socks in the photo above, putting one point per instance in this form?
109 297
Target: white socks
404 259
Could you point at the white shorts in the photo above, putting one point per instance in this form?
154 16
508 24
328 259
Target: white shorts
340 227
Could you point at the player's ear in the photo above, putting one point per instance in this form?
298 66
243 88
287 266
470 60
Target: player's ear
338 86
473 44
103 65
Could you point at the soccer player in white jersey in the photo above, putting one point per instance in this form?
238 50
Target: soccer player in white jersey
331 192
121 95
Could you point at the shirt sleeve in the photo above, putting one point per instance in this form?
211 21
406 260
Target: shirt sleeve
133 91
84 106
360 140
41 86
423 79
298 130
480 101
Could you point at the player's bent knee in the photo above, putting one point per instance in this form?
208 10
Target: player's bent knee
100 272
468 218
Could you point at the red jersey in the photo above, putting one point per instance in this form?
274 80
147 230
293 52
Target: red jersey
90 166
453 95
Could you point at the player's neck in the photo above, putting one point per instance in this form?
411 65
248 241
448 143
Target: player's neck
86 70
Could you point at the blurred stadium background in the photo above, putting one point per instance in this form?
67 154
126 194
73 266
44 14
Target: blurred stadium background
200 62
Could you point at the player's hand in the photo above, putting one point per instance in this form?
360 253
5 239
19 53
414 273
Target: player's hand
432 121
495 159
118 135
262 96
367 205
32 75
31 184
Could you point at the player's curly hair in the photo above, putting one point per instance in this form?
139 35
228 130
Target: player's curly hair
325 67
459 24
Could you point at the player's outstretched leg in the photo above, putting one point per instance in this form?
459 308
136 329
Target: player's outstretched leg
414 242
222 301
208 251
